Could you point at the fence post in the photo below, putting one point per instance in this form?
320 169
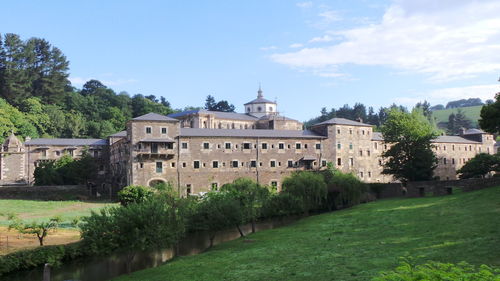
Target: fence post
46 272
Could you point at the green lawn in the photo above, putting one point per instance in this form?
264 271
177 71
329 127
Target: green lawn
32 210
354 244
472 112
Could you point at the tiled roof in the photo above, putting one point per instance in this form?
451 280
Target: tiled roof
377 136
259 100
454 139
119 134
194 132
276 117
474 132
154 117
218 114
67 142
342 121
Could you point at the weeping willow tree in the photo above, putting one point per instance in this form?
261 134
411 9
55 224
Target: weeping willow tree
344 189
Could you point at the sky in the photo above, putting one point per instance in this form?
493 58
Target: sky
305 54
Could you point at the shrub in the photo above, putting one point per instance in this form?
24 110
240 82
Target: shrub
480 165
344 189
280 205
134 194
308 187
66 170
440 271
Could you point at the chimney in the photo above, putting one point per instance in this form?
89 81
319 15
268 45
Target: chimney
462 131
359 119
27 138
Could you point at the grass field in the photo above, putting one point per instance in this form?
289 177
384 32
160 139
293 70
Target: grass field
31 210
472 112
354 244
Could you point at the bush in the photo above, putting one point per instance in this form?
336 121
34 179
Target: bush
280 205
26 259
308 187
134 194
344 189
440 271
66 170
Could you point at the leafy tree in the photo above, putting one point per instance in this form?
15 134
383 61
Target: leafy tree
66 170
480 165
464 103
12 120
490 116
457 122
308 187
40 229
223 105
344 189
250 195
410 156
134 194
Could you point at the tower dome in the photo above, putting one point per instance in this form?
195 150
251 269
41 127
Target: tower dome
260 106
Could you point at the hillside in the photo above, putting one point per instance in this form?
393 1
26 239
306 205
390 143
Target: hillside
472 112
354 244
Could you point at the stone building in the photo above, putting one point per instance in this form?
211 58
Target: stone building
201 150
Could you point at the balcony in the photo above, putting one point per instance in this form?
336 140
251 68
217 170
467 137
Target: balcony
155 149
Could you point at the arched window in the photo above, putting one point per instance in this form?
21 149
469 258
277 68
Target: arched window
248 109
259 109
271 108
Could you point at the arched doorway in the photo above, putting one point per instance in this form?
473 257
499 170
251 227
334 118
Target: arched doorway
154 182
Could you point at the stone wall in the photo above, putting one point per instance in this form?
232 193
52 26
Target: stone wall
422 188
62 192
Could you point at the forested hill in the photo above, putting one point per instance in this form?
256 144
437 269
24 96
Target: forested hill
38 100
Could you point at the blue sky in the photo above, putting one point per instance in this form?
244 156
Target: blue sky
306 54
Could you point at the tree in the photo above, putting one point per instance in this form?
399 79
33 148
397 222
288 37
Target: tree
40 229
490 116
134 194
344 189
410 156
251 196
223 105
308 187
457 122
480 165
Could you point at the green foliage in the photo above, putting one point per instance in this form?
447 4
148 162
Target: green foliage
308 187
344 189
471 113
34 80
281 205
223 105
66 170
153 224
40 229
251 196
410 156
457 122
480 165
490 116
134 194
463 271
27 259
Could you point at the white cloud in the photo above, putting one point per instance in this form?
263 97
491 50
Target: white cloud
269 48
445 40
303 5
444 95
296 45
80 81
324 38
329 16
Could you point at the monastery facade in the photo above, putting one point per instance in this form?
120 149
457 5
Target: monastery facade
201 150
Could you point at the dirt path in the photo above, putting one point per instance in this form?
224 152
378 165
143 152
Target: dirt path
11 241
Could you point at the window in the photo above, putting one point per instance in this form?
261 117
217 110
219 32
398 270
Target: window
323 163
305 145
70 152
163 131
339 146
172 164
248 109
270 109
184 145
338 131
360 174
444 161
148 130
281 146
318 146
351 161
375 145
58 153
264 145
444 147
298 145
188 189
253 163
227 145
385 146
363 132
452 160
246 145
259 109
274 184
96 153
350 145
369 174
290 163
215 164
206 145
368 152
453 147
141 165
350 131
361 153
159 167
184 164
234 163
339 161
273 164
215 186
196 164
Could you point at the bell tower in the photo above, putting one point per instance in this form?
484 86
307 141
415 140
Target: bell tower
260 106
